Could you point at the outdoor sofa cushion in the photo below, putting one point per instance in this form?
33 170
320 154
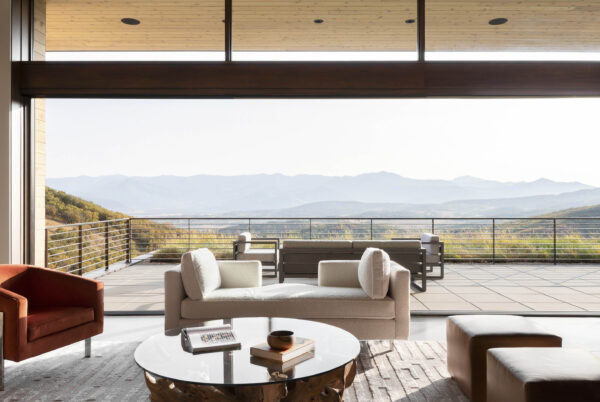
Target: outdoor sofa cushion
386 244
259 254
200 273
291 300
374 272
317 244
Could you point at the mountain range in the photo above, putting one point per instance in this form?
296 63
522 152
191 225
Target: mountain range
380 194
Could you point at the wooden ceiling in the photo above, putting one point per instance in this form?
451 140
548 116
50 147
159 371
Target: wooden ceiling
348 25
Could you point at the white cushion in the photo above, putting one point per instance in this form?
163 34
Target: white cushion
243 238
199 273
374 272
289 300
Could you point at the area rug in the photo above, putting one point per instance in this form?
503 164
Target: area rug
412 371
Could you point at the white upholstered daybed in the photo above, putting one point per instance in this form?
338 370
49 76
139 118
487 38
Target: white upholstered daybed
193 296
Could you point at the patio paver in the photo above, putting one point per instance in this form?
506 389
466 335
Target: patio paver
467 287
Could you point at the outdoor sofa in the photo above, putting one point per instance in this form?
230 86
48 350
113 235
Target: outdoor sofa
338 299
300 258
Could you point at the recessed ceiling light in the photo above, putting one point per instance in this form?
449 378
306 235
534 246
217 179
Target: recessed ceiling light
318 21
410 21
130 21
498 21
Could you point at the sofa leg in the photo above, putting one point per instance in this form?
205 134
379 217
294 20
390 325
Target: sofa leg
88 347
390 345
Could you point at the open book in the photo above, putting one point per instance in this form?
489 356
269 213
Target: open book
209 339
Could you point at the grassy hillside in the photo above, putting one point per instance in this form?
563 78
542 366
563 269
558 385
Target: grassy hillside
592 211
63 208
166 241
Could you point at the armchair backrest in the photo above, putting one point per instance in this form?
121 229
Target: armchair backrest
11 276
431 243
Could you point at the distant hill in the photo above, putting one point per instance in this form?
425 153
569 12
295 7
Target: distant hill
63 208
500 207
333 195
592 211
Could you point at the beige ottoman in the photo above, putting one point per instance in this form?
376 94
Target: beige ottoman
470 336
542 375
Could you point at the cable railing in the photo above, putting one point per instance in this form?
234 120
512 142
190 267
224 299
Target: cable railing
82 247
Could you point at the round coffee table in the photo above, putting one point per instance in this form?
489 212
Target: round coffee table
173 374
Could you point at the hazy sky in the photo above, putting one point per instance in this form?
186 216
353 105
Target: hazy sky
503 139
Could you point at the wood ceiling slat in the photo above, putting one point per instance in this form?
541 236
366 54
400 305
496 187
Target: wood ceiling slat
539 25
350 25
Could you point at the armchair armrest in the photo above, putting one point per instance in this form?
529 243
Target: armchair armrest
400 292
240 274
14 307
174 294
339 273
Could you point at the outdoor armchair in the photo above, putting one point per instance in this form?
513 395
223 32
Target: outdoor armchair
242 250
44 310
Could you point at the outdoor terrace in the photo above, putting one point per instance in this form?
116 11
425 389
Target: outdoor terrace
534 288
535 265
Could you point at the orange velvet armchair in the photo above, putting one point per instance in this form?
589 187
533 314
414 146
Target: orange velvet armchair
45 310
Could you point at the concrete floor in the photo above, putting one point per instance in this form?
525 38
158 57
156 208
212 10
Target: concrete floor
466 287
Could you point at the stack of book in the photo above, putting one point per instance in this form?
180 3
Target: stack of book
283 360
209 339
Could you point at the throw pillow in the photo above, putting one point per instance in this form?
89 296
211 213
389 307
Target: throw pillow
374 272
200 273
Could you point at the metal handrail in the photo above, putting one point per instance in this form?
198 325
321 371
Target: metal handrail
493 239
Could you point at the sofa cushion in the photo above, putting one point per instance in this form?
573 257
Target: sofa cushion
45 321
200 273
289 300
243 239
374 272
386 244
317 244
258 254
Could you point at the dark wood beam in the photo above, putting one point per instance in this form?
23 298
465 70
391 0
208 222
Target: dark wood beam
228 30
307 79
421 30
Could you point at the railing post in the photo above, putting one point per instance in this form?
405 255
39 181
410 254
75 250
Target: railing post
106 244
309 229
46 251
432 225
189 234
80 241
554 231
250 225
493 241
129 241
371 228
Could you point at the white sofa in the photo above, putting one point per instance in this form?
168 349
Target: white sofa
338 299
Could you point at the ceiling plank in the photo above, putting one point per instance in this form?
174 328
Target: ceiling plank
348 25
